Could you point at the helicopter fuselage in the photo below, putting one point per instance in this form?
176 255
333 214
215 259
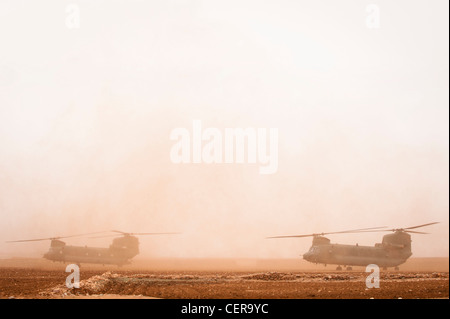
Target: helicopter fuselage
88 255
120 252
393 251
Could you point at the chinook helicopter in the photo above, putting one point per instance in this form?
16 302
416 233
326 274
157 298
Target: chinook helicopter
393 251
119 253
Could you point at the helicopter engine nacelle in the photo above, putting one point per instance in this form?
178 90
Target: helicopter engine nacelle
127 243
399 239
57 243
320 240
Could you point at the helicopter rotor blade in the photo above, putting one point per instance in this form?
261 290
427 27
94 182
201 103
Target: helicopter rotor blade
143 234
53 238
132 234
86 234
321 234
415 232
118 231
376 231
356 230
396 229
105 236
25 240
421 225
292 236
139 234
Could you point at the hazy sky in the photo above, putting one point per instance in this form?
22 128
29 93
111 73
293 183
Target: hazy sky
86 114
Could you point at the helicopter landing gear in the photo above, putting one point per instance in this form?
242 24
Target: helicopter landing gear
349 268
338 268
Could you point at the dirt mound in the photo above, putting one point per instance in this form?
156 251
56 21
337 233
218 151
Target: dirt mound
93 285
271 276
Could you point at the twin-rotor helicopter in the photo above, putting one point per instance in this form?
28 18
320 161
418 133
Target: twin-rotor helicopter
393 251
119 253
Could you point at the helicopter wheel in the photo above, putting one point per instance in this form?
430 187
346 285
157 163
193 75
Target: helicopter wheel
338 268
349 268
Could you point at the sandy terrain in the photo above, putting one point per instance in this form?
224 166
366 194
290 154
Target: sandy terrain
271 279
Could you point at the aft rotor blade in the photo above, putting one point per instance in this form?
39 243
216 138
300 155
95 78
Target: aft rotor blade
422 225
394 229
415 232
407 229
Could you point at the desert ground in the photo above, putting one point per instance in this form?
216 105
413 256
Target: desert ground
222 279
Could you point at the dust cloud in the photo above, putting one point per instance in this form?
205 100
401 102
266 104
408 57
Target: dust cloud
85 124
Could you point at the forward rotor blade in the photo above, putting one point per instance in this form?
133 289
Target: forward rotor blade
355 230
52 238
376 231
25 240
86 234
320 234
293 236
132 234
138 234
105 236
118 231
